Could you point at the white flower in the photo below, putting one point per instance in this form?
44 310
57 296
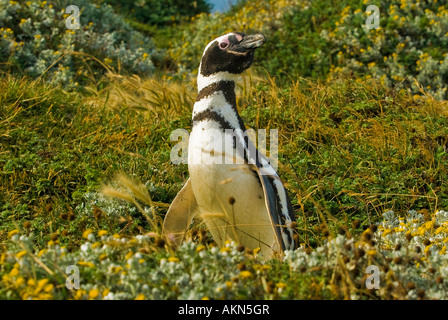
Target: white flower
197 277
85 247
214 250
110 296
91 237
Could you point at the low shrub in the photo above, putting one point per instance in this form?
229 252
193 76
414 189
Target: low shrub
35 41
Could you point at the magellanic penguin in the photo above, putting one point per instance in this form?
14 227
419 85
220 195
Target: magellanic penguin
232 187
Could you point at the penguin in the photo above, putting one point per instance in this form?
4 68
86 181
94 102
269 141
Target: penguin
232 187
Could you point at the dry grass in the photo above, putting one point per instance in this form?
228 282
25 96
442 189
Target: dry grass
159 97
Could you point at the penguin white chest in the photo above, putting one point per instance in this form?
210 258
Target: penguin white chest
215 167
229 194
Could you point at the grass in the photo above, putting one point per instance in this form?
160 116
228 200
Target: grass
56 147
86 176
349 151
358 149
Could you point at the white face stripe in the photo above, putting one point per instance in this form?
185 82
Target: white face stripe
220 39
219 76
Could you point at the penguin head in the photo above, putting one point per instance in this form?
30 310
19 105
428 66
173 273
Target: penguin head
232 53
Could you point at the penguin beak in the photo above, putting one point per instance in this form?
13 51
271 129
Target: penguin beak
250 43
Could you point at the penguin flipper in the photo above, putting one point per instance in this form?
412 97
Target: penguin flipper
180 215
278 205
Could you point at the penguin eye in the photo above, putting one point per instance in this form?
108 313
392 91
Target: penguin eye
224 45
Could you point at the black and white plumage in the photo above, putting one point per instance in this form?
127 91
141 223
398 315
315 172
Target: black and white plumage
231 187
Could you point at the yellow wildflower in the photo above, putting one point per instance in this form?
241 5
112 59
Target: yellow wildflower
129 255
13 233
245 274
45 296
96 245
105 292
79 294
86 233
42 282
14 272
48 288
102 233
200 248
86 264
439 230
93 294
116 269
21 254
281 285
225 249
20 281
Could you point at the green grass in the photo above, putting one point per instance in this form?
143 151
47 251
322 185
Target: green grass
55 148
349 151
86 176
315 39
352 150
356 148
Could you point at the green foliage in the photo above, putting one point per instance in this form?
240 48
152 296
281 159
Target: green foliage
351 150
317 40
110 265
159 12
54 149
35 41
140 267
